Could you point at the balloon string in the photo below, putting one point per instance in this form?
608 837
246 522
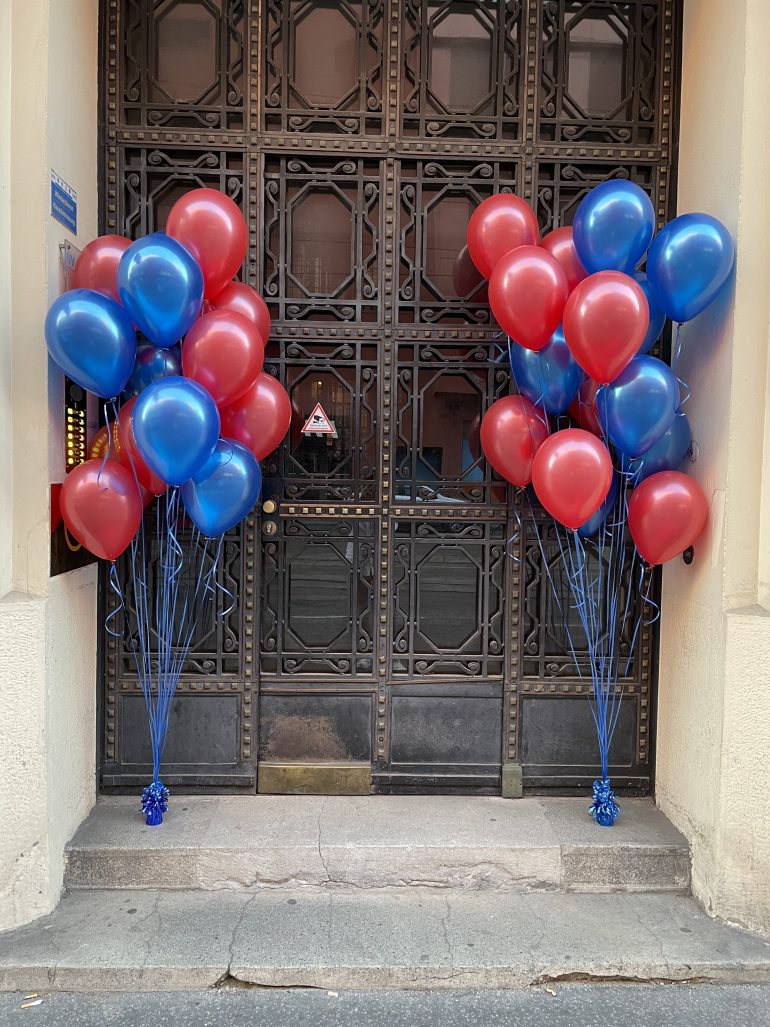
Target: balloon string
114 581
683 385
516 536
677 346
109 443
601 582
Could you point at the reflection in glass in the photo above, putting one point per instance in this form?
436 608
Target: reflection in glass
319 613
325 53
321 245
462 64
446 229
447 447
448 597
185 52
596 65
325 455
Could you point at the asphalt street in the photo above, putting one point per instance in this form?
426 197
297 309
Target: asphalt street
579 1005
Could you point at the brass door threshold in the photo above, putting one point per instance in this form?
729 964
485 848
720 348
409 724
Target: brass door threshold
286 778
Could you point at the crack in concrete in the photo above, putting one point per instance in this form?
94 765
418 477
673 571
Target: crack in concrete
445 928
231 945
320 832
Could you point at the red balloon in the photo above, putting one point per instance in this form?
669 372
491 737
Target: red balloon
666 514
498 225
213 229
560 245
101 506
583 407
223 352
571 475
260 418
97 265
246 301
605 322
511 433
129 455
527 293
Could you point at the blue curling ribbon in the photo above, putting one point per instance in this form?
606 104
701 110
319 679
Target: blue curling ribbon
154 803
604 809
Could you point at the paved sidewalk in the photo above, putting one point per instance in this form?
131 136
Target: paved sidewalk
402 938
572 1006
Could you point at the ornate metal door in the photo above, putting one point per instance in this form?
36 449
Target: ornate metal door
395 626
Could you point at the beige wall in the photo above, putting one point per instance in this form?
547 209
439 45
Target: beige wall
713 750
48 71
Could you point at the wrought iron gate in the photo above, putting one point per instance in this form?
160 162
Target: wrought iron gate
384 622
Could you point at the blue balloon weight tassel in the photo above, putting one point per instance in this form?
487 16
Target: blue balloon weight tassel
154 803
604 809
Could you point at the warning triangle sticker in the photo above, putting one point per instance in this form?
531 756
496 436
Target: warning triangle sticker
318 423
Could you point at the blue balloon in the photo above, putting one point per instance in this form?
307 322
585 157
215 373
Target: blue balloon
613 227
152 364
549 377
161 287
668 453
91 338
596 521
176 427
224 490
639 405
657 317
689 261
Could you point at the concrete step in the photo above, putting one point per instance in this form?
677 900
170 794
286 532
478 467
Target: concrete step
379 842
416 938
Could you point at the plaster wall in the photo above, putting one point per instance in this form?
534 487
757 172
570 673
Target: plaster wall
6 462
48 70
714 693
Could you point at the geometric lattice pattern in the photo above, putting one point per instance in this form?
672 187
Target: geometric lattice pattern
392 601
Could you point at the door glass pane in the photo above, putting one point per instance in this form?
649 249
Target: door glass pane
447 226
447 447
319 610
597 65
462 65
325 53
321 245
186 52
325 454
447 597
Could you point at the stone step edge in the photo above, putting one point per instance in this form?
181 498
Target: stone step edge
347 978
630 868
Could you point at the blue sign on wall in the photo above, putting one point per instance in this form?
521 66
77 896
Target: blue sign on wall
64 203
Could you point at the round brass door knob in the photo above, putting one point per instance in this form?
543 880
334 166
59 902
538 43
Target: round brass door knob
269 506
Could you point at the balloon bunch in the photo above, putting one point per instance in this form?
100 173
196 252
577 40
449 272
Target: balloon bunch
581 319
198 414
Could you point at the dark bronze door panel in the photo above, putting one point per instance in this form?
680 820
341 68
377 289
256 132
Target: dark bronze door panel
395 623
